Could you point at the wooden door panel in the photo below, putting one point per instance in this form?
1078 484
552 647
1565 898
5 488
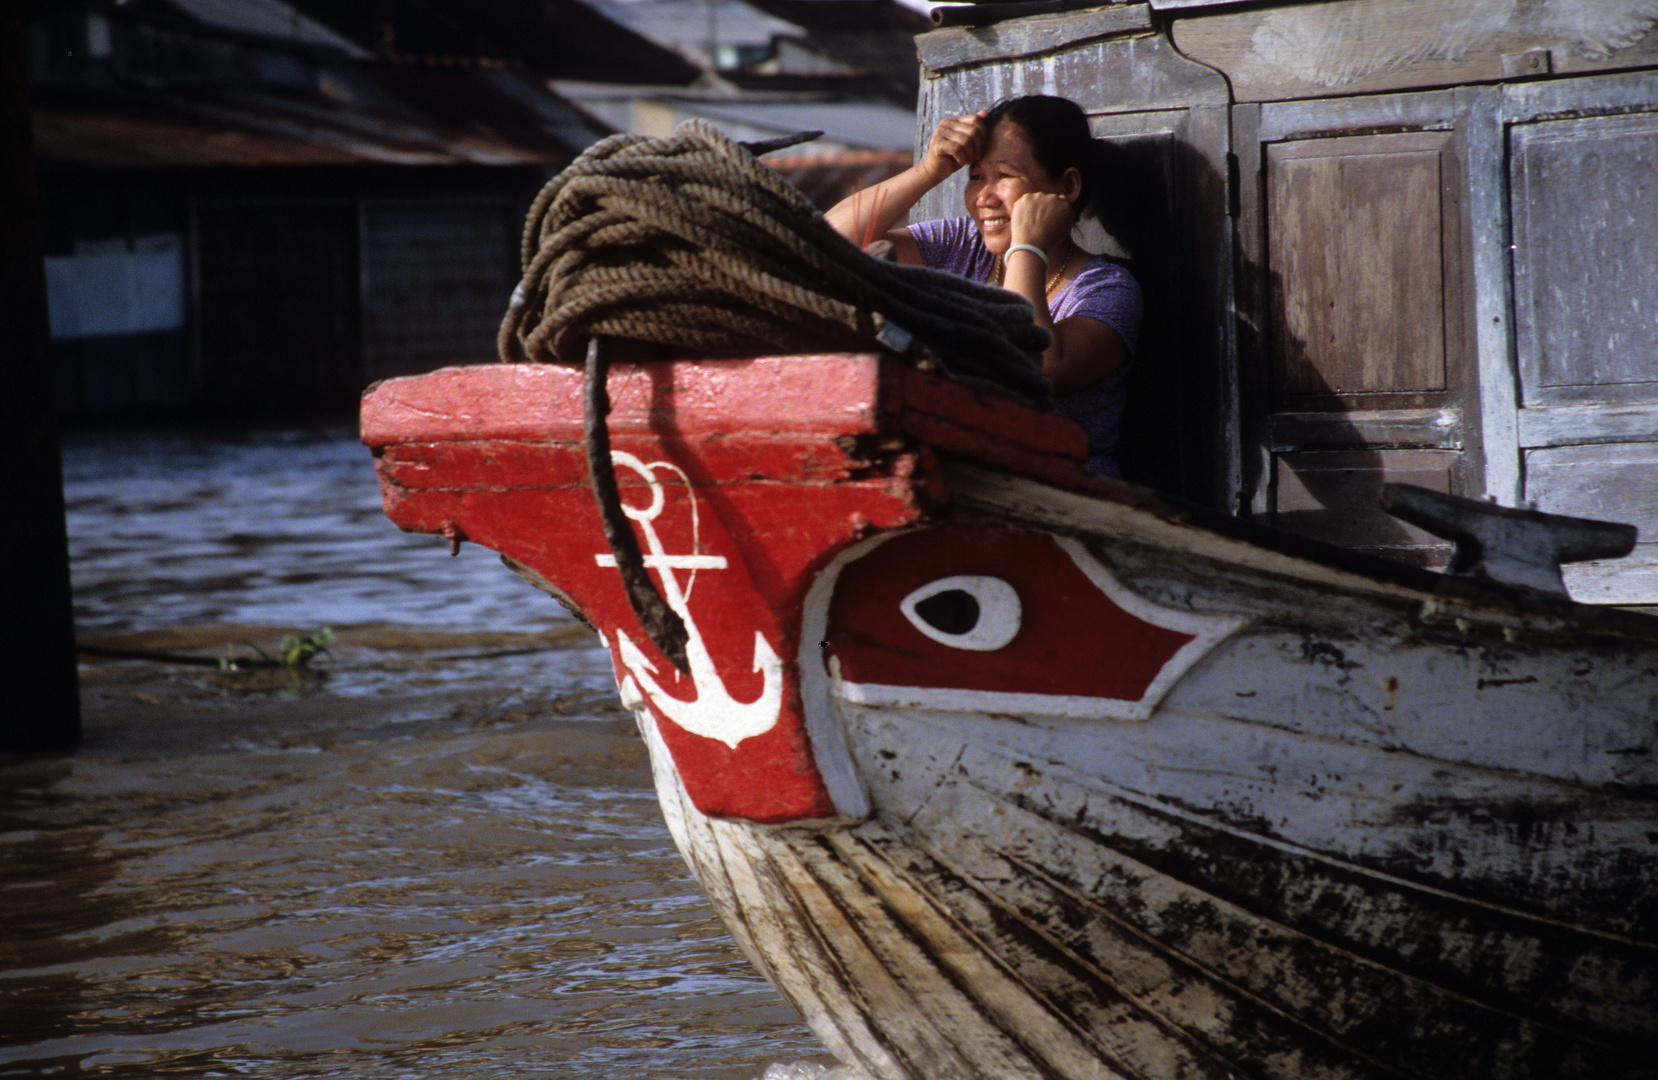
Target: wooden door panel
1585 206
1583 200
1335 496
1615 481
1363 252
1356 246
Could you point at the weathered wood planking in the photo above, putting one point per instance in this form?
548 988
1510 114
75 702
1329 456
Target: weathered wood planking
953 945
1380 428
1112 876
1547 344
1583 201
1578 294
1315 50
1342 609
1251 320
1585 206
1331 495
941 50
1071 851
1586 425
1486 203
1577 479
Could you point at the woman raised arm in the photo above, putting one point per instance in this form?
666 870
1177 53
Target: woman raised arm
867 216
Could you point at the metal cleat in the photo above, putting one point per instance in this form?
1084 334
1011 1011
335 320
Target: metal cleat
1522 548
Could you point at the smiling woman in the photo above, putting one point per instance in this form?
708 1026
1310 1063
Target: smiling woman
1032 169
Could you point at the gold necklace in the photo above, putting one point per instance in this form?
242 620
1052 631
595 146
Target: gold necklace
1064 266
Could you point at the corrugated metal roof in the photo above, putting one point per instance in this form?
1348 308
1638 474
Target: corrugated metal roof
688 24
449 117
563 37
859 124
267 18
564 121
848 16
847 37
847 125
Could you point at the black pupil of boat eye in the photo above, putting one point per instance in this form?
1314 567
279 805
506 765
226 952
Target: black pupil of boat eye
952 611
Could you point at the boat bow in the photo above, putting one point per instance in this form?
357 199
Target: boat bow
999 771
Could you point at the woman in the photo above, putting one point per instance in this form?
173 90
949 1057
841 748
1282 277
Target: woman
1032 168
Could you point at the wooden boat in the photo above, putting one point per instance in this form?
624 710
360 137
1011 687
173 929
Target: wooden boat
997 770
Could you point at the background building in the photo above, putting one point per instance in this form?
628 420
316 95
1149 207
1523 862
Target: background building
254 208
249 211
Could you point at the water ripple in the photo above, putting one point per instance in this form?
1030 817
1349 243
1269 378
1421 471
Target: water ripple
420 867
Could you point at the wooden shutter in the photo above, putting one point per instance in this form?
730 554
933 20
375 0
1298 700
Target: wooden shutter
1583 199
1356 290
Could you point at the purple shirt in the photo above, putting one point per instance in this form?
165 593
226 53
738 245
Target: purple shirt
1101 290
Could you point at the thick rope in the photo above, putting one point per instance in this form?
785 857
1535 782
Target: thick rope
691 244
660 622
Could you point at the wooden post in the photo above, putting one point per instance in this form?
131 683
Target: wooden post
42 710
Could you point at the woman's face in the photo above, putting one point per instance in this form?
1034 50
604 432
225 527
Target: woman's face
1007 170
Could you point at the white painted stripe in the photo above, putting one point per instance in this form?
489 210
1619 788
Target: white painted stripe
995 701
672 562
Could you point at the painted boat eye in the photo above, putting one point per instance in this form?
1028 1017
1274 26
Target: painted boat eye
953 611
968 611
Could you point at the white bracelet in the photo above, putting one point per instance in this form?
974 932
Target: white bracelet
1033 249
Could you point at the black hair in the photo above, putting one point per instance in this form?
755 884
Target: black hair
1059 137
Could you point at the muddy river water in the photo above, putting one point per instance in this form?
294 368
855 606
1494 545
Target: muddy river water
443 858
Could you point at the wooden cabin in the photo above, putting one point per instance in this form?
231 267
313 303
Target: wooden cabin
1380 240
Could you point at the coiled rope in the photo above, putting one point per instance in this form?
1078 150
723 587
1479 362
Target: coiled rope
690 244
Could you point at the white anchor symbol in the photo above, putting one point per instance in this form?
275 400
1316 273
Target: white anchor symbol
715 714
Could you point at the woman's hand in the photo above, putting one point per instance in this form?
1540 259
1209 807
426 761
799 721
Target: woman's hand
956 143
1042 219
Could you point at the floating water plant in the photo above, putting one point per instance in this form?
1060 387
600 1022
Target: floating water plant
294 654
